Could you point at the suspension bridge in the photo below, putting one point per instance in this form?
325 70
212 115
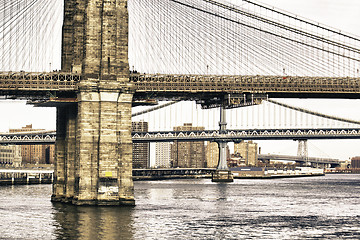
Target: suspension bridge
272 120
322 127
116 53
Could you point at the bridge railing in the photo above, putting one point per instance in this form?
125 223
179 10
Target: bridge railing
25 81
62 81
239 84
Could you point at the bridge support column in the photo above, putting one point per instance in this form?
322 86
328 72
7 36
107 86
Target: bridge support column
222 165
59 171
94 146
94 150
104 160
222 173
65 146
70 153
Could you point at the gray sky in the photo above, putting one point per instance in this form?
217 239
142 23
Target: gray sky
340 14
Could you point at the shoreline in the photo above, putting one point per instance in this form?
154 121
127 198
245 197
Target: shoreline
36 176
32 181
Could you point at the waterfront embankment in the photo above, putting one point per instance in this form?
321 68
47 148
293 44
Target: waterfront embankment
37 175
269 172
25 176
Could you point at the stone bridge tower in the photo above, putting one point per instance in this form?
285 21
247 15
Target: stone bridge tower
93 145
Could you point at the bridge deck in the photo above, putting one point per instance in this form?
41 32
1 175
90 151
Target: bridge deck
240 84
48 137
23 83
38 84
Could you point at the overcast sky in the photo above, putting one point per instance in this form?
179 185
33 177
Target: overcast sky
340 14
345 16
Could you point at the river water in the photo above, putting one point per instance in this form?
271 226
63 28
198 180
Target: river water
325 207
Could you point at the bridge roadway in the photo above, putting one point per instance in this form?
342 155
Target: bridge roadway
24 84
49 137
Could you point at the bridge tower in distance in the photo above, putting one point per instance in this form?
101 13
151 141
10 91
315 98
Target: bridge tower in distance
93 145
222 173
303 150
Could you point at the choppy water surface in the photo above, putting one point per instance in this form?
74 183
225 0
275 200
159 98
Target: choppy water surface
299 208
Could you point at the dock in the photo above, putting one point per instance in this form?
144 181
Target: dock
25 176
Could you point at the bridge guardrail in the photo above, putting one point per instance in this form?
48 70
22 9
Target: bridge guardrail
62 81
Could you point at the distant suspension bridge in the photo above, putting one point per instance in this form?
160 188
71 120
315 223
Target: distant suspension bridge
271 120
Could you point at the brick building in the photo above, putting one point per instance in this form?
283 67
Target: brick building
36 153
188 154
212 154
141 156
247 151
355 162
10 155
162 154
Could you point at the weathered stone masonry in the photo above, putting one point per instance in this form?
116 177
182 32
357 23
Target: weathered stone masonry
94 146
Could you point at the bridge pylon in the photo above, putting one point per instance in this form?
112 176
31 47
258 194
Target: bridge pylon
303 151
222 173
93 159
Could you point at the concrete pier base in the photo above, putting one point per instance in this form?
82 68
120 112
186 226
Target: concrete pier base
222 176
94 151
